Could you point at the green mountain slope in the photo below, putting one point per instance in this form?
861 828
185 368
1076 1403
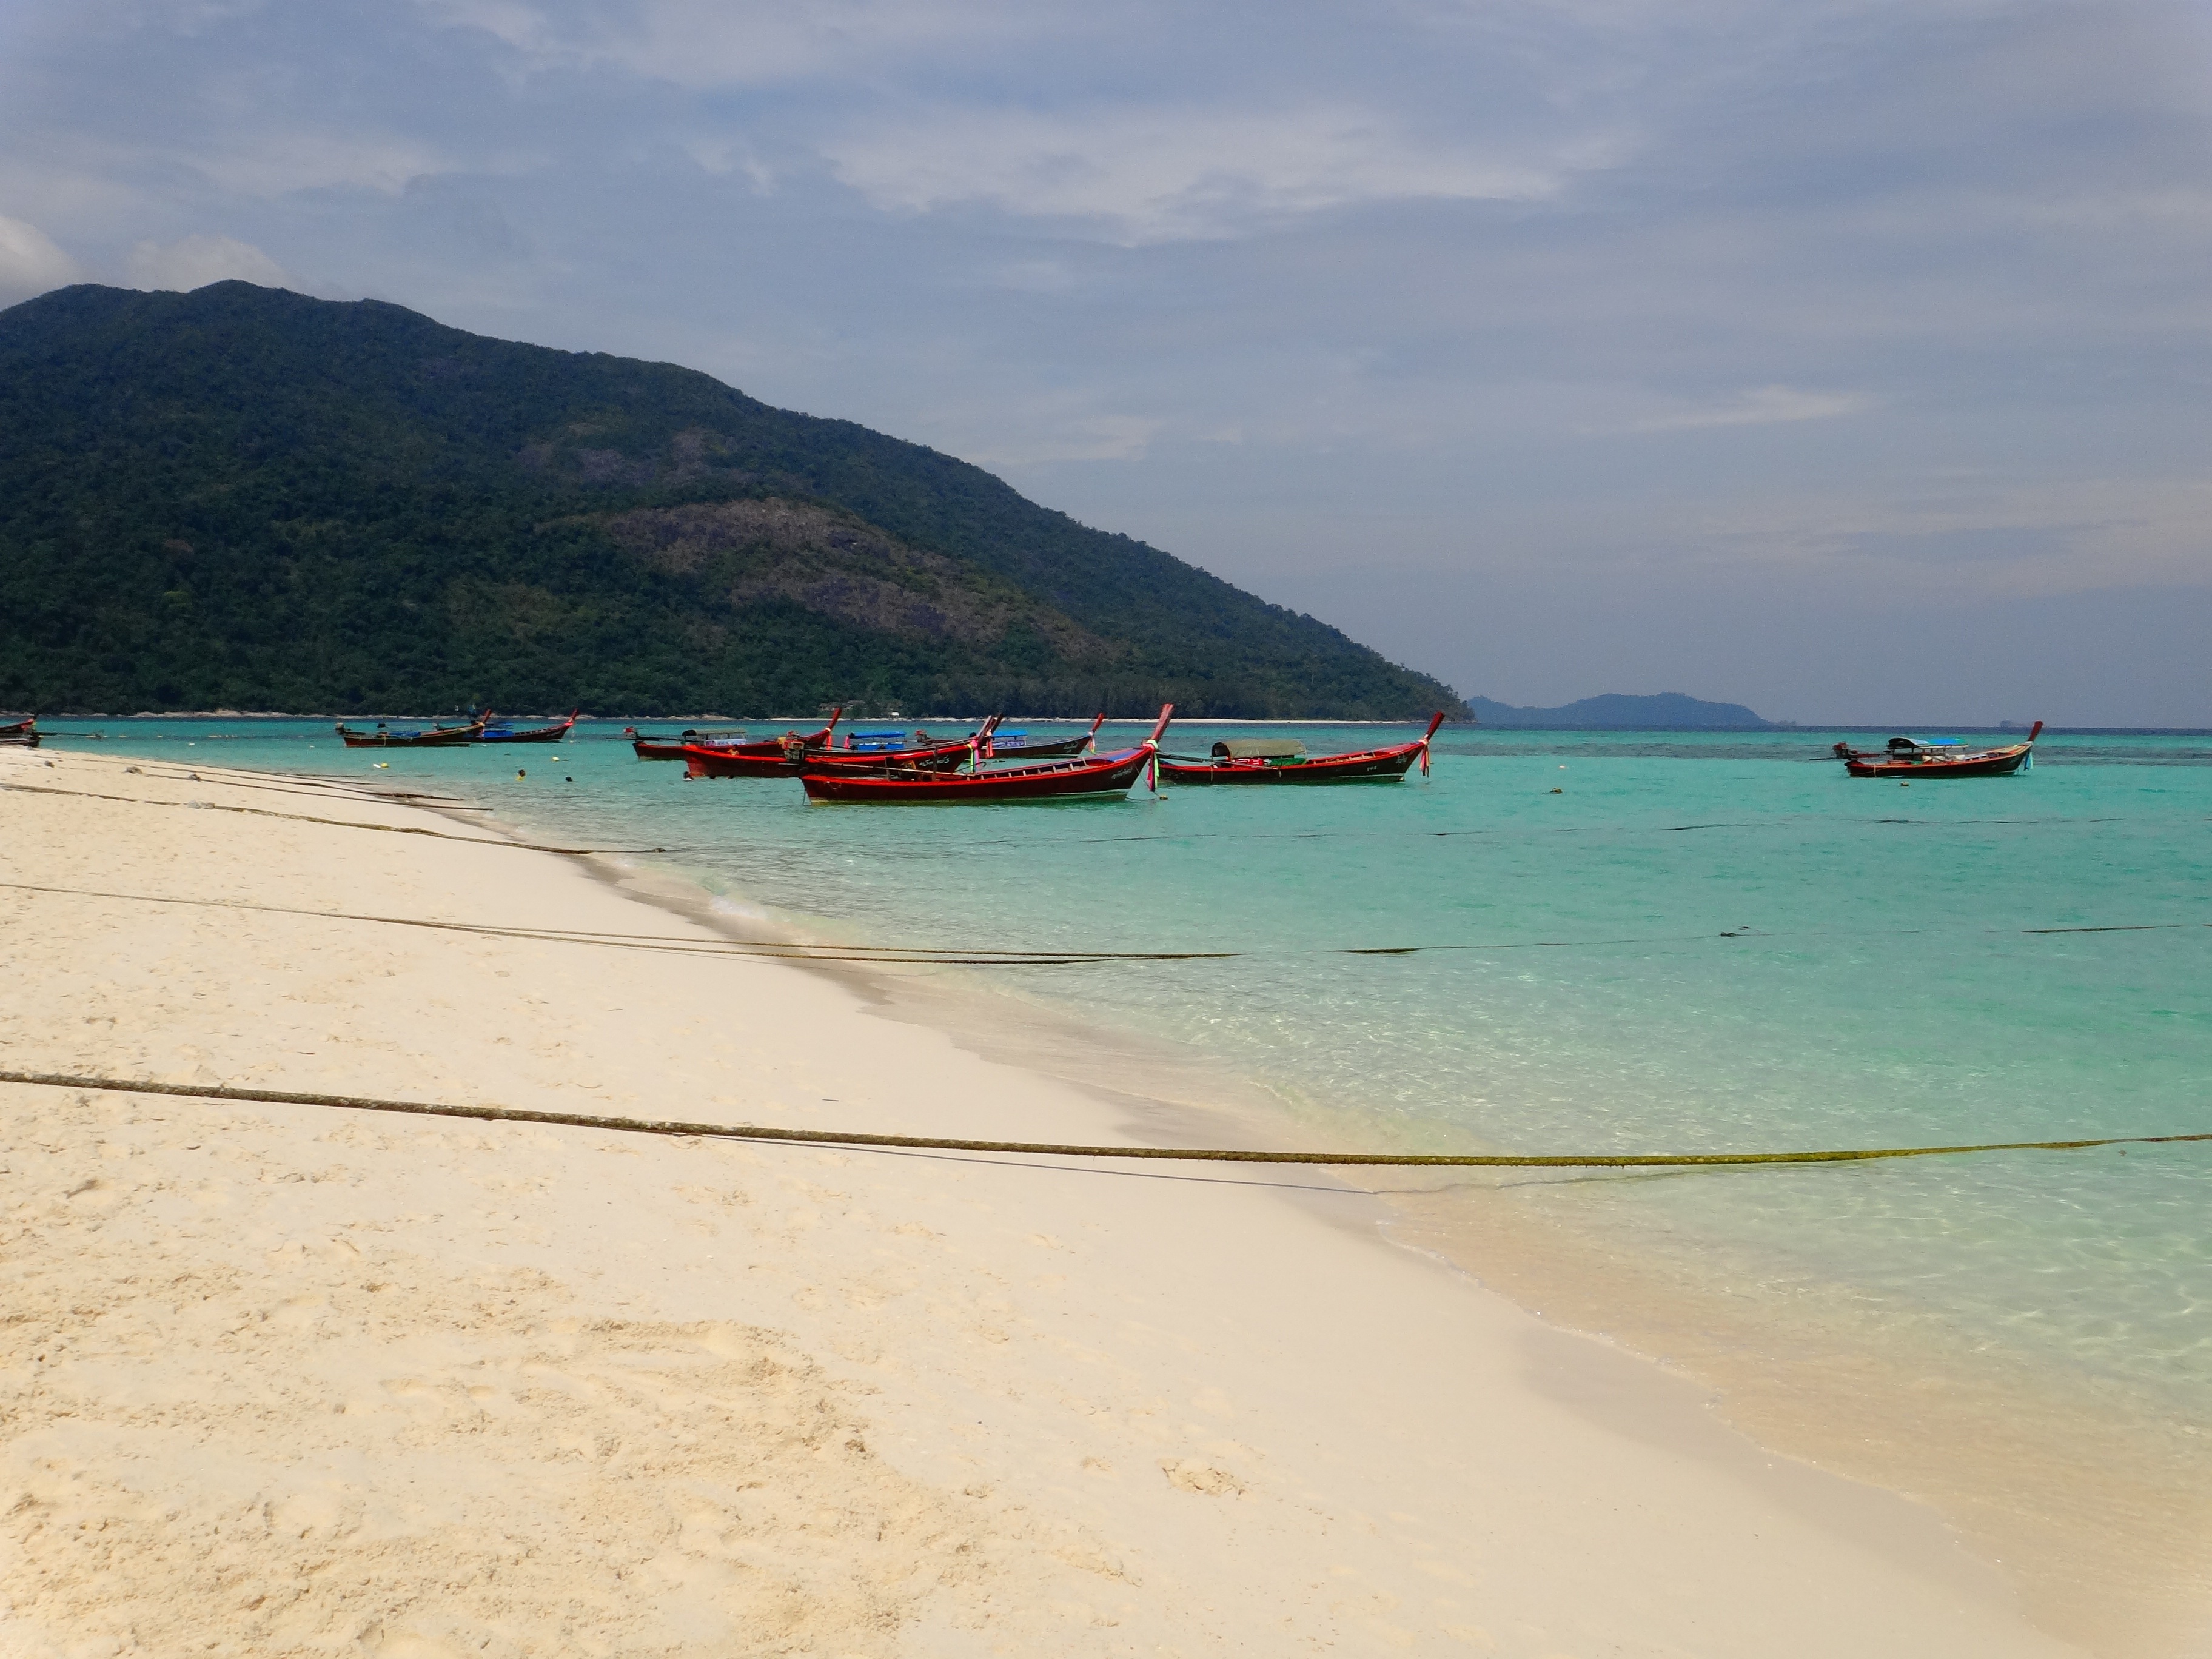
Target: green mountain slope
241 497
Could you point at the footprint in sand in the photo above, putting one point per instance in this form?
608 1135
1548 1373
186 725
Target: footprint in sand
1194 1475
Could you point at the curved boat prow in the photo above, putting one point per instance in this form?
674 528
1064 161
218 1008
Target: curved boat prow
979 746
1435 720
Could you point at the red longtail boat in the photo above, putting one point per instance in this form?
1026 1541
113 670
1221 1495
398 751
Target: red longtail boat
1016 746
24 731
1267 760
552 733
1907 758
676 748
437 737
1086 777
793 760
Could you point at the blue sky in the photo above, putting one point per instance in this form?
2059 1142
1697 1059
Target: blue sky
1847 358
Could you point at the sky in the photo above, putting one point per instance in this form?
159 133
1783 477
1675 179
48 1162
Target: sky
1849 359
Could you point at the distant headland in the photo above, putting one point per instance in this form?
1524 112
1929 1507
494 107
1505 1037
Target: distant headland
1662 711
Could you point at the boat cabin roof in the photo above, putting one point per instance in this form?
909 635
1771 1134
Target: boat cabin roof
1259 749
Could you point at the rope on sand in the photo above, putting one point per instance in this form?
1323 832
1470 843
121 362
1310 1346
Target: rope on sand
339 823
940 1143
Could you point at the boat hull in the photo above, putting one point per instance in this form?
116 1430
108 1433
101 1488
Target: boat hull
673 749
1997 763
540 734
1062 750
443 737
1379 766
1105 777
676 749
739 763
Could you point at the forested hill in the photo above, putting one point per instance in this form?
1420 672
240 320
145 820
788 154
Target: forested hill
243 498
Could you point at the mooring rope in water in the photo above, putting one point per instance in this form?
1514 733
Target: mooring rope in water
961 956
1050 1149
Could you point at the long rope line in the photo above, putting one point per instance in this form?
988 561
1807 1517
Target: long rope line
325 788
940 1142
671 944
339 823
984 957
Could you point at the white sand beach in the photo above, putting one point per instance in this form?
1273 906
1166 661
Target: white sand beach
285 1379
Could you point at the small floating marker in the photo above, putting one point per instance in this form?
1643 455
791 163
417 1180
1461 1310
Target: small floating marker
1558 792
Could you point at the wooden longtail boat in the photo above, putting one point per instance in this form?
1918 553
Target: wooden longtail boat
793 760
673 748
24 731
1907 758
1016 744
1266 760
1086 777
438 737
534 734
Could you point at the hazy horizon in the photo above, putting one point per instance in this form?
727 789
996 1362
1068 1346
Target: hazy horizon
1833 358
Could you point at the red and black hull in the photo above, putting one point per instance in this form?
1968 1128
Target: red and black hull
1905 759
440 736
537 734
676 749
1997 763
672 748
1066 746
1108 776
1045 750
1363 766
1377 766
743 764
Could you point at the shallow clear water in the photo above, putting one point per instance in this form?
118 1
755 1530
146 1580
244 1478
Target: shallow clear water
1700 942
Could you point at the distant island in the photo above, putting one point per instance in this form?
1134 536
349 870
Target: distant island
245 498
1665 710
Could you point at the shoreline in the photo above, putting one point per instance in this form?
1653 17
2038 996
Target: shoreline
2012 1459
1214 1341
2086 1492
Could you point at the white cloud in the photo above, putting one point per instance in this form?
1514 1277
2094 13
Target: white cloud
1760 406
1967 536
1077 438
725 43
1158 175
30 264
196 261
276 163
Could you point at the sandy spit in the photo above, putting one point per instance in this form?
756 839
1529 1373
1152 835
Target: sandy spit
282 1380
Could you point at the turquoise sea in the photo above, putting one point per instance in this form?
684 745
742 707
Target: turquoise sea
1626 941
